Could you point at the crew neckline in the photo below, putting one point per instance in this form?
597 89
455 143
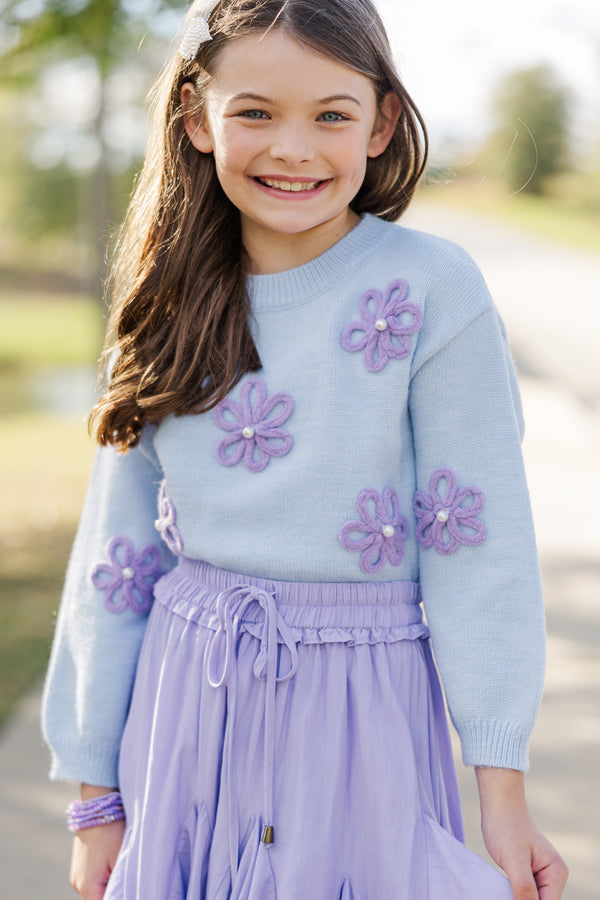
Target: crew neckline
303 283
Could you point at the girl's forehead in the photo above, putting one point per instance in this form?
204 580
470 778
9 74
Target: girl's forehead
277 61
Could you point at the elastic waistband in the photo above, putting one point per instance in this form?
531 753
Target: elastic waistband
360 612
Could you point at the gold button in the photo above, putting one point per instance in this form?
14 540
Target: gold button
267 835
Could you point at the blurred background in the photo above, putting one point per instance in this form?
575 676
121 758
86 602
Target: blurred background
511 95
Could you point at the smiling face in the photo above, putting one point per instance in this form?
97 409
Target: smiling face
291 132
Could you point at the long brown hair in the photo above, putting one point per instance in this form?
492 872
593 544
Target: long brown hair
178 336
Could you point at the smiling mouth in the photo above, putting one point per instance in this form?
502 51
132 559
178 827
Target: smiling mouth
290 186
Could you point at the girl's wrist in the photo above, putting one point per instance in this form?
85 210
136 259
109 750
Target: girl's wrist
98 809
90 791
501 790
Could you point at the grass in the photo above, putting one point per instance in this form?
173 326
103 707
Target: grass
550 218
42 330
45 459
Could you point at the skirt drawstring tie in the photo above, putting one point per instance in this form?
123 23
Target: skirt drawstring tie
221 668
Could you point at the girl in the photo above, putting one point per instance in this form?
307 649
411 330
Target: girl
322 408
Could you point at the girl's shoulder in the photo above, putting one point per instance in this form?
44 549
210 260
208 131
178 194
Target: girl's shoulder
437 256
441 279
441 276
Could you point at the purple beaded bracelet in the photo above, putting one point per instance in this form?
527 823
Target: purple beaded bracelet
96 811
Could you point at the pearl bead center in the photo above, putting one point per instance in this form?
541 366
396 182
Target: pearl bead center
388 531
381 324
128 573
443 515
248 432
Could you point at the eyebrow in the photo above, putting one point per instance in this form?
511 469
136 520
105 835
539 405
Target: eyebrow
247 95
335 97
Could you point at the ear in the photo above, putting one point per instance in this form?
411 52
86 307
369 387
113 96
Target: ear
385 124
195 125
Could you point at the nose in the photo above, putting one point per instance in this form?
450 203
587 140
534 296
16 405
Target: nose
291 144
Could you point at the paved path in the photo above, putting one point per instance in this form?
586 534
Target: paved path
549 299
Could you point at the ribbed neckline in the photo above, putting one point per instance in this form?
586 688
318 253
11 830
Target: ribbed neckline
302 284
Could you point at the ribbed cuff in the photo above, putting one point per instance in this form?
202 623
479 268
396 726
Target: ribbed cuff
494 743
90 764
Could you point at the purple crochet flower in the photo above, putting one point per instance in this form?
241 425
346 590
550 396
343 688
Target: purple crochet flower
443 521
166 523
254 426
384 530
128 577
386 322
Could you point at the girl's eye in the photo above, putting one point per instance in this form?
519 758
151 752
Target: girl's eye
253 114
333 117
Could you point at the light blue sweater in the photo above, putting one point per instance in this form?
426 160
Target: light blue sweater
354 454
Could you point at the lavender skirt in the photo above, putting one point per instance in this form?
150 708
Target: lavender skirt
289 741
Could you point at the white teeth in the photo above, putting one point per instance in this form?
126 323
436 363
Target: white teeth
294 186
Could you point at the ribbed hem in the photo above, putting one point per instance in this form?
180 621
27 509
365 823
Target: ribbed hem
315 278
494 743
84 762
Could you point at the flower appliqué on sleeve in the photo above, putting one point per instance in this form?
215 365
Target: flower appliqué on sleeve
128 577
380 533
166 524
386 323
254 426
447 516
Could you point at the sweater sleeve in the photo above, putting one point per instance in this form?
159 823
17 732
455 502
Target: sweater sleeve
117 557
478 563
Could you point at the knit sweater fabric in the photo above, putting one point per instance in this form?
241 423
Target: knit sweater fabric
379 441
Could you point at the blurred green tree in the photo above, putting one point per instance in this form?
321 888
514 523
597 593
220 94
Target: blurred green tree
103 34
531 140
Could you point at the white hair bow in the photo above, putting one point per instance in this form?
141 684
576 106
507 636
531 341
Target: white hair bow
197 30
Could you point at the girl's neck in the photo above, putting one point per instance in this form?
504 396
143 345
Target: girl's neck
271 252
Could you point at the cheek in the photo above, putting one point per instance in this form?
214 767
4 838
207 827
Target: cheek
233 156
357 167
357 180
351 157
230 166
222 161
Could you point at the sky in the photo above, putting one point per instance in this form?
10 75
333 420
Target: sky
452 52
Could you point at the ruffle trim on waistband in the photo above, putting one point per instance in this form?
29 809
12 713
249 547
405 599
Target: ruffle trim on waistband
351 636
